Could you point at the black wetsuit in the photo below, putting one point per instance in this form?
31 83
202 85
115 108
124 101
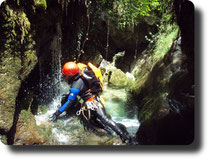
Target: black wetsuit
80 87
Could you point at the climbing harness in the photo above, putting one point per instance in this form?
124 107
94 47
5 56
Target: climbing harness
93 104
82 110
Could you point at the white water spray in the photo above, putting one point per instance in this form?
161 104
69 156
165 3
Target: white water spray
58 87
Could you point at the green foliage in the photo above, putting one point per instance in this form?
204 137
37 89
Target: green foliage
26 116
128 12
163 40
167 32
41 3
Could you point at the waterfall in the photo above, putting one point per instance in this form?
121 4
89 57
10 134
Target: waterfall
56 60
59 87
55 86
50 68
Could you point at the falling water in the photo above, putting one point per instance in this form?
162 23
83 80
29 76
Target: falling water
50 78
107 40
56 87
56 58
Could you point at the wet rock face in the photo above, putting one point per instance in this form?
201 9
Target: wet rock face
166 105
166 102
166 94
18 58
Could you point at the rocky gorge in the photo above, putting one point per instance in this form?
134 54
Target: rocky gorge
148 67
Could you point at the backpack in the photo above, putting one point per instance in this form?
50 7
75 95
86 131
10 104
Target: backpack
92 76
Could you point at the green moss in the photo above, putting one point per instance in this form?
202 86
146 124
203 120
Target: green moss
42 108
46 132
165 41
152 69
136 87
17 23
151 105
18 58
28 120
118 78
26 116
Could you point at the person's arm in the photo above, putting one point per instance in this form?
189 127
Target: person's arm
71 98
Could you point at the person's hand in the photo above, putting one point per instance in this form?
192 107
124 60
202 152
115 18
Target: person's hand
54 117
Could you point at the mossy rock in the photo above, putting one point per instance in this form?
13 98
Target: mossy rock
8 93
27 132
117 78
18 58
154 106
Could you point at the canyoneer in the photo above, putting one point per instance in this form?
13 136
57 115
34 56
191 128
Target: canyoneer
86 81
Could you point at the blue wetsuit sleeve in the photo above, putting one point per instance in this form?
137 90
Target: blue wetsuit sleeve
72 96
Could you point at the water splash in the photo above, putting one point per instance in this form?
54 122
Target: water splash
50 79
55 88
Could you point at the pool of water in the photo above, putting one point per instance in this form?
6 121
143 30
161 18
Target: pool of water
120 111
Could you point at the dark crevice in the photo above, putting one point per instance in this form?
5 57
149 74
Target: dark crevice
12 131
27 97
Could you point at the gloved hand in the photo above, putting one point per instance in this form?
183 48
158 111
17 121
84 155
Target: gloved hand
54 117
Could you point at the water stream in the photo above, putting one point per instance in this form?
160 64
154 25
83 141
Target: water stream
120 110
69 130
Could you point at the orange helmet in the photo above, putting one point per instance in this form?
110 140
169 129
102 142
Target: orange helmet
70 69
